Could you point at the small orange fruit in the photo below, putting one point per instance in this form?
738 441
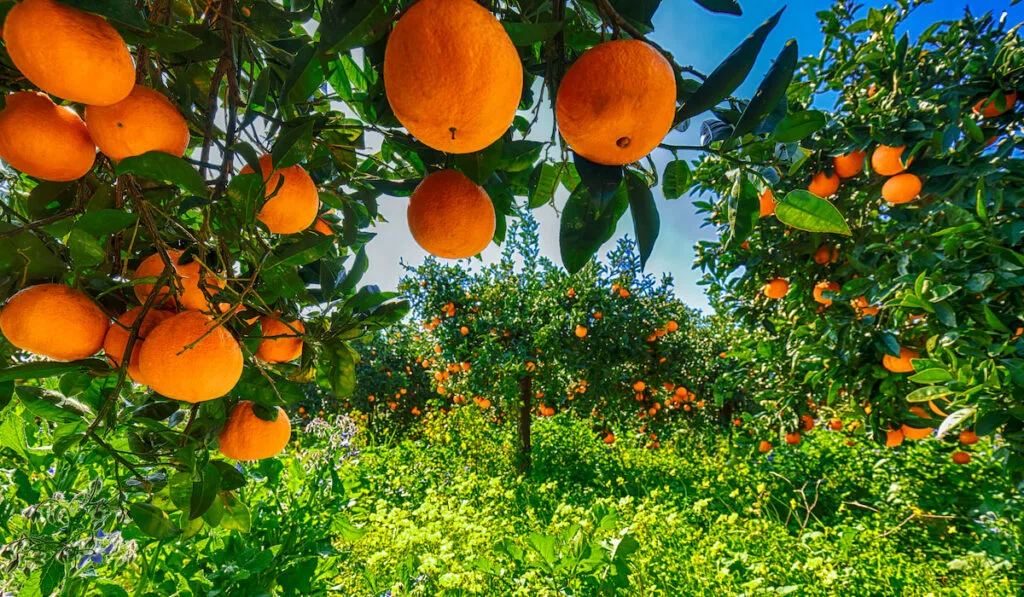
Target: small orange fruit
835 425
902 188
248 437
44 140
861 306
143 121
849 165
807 422
767 200
281 342
826 254
968 437
824 185
464 331
764 447
617 102
961 457
189 294
70 53
54 321
323 227
639 386
776 289
820 288
672 326
116 342
793 438
452 76
581 332
291 205
450 216
901 364
893 438
888 161
915 433
191 358
989 109
609 439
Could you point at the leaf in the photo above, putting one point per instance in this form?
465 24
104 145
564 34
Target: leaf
676 180
934 375
805 211
230 477
602 181
587 224
25 255
771 91
41 369
355 274
543 183
347 24
309 247
929 393
204 491
122 11
341 368
104 222
236 515
527 34
744 212
51 405
166 167
714 130
292 145
953 420
152 520
646 222
638 12
729 7
480 165
729 74
86 250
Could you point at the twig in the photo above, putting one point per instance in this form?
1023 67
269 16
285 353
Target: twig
43 222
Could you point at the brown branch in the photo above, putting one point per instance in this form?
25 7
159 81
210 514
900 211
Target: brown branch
70 213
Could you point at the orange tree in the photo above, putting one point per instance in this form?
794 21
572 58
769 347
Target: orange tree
878 243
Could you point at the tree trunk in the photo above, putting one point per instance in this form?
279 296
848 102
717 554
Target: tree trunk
525 419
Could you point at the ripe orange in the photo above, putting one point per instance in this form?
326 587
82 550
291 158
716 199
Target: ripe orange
824 185
888 161
872 90
968 437
323 227
860 305
207 370
764 447
70 53
450 216
826 254
849 165
617 102
672 326
768 203
286 346
793 438
452 76
639 386
44 140
776 289
915 433
807 422
116 342
143 121
835 425
901 364
291 205
248 437
893 438
961 457
820 288
189 294
988 108
609 439
464 331
55 321
902 188
581 332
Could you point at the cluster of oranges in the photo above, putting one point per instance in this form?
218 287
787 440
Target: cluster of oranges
454 80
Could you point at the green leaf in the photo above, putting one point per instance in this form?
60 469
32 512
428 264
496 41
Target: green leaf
166 167
236 515
480 165
771 91
954 420
640 13
646 222
527 34
230 477
204 491
744 212
798 126
929 393
587 224
347 24
934 375
86 250
24 255
152 520
309 247
104 222
51 404
806 211
676 180
122 11
729 7
293 143
355 274
41 369
729 74
602 181
543 183
993 321
341 368
12 433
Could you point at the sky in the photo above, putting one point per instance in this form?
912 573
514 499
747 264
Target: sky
702 39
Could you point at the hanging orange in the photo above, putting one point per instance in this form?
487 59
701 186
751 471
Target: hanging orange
849 165
888 161
44 140
901 364
143 121
248 437
767 200
824 185
902 188
617 102
820 288
70 53
776 289
450 216
190 296
989 109
281 342
291 205
54 321
116 342
452 75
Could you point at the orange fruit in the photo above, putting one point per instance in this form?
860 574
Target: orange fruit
915 433
323 227
893 438
282 342
826 254
849 165
861 306
835 425
639 386
776 289
247 437
189 294
901 364
116 342
54 321
968 437
902 188
464 331
824 185
72 54
143 121
888 161
768 203
452 76
581 332
819 290
989 109
191 358
617 102
764 447
672 326
609 439
291 205
807 422
961 457
44 140
792 438
450 216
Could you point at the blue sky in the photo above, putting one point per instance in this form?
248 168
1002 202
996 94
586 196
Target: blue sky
701 39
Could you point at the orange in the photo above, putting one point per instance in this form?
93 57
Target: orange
849 165
639 386
968 437
961 457
609 439
901 364
768 203
323 226
835 425
672 326
44 140
915 433
248 437
55 321
764 447
189 294
819 290
291 205
776 289
617 102
69 53
143 121
888 161
116 342
208 369
902 188
793 438
464 331
581 332
988 108
807 422
893 438
824 185
826 254
281 341
450 216
452 76
860 305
